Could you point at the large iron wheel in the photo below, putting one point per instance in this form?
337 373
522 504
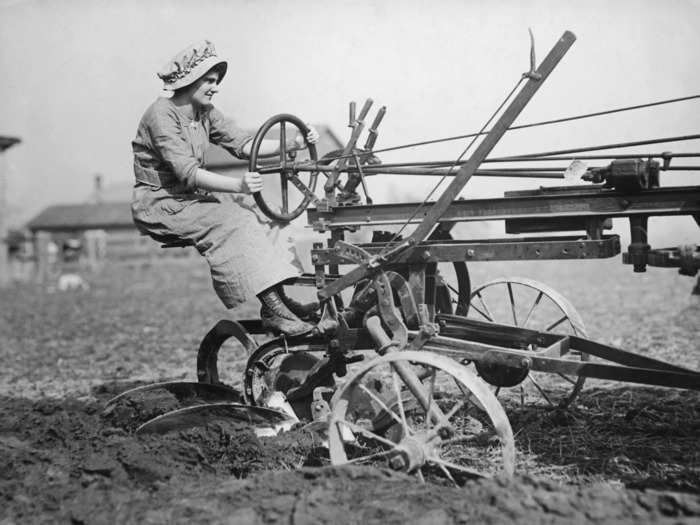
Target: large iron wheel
526 303
287 205
458 431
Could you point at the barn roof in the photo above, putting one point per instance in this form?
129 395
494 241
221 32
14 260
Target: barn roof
218 158
6 142
67 217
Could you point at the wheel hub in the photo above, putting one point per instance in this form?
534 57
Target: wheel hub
410 454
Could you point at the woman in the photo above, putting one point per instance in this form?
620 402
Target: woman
176 199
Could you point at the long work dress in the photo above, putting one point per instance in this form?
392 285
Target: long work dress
246 252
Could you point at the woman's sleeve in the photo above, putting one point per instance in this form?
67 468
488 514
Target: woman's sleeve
173 146
225 133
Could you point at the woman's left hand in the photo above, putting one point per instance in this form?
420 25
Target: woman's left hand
312 137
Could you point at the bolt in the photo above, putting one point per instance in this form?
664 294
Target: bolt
397 462
445 433
426 255
526 362
470 252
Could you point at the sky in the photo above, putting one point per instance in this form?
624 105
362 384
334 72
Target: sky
78 74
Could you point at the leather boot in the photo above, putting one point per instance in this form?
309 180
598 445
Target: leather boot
363 299
308 311
277 317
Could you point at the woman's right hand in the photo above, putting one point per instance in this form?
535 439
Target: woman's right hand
252 182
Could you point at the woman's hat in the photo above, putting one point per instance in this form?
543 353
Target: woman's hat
190 64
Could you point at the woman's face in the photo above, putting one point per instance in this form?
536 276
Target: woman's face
205 88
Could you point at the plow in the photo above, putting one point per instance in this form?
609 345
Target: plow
409 363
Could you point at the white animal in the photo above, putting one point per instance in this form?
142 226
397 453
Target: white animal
72 281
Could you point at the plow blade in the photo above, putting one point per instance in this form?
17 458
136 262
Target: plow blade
185 391
265 421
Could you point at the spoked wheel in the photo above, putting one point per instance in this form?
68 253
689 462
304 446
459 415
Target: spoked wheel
526 303
295 187
464 434
276 367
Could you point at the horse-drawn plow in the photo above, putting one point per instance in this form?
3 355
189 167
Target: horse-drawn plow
409 361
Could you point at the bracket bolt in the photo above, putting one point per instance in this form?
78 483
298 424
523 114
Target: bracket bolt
470 252
397 462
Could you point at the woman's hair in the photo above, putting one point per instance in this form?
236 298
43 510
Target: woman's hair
219 69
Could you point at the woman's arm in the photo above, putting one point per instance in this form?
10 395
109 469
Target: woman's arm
271 147
207 180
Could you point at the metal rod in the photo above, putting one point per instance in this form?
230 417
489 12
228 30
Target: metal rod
542 123
543 173
438 163
604 146
598 157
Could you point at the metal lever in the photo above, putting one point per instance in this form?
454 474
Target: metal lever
365 110
533 74
372 138
351 121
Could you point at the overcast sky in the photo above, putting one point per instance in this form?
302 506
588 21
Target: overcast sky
77 75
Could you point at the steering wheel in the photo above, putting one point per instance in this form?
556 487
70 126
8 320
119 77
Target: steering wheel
286 166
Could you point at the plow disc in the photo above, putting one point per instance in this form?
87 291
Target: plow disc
184 391
265 421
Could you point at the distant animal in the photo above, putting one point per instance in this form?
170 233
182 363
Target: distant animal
71 281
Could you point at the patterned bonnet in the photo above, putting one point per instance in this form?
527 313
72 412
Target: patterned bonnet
190 64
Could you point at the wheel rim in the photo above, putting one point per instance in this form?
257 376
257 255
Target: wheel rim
286 197
423 446
526 303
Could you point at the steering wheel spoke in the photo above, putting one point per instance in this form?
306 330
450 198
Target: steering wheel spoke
284 202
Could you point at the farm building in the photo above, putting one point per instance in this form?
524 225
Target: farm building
5 143
103 227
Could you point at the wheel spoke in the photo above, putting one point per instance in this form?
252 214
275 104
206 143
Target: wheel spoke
397 389
512 303
370 457
430 399
367 433
532 308
460 439
285 192
381 403
464 470
283 143
566 378
537 385
556 323
486 308
482 313
460 404
447 473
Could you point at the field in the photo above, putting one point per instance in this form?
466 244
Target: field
621 454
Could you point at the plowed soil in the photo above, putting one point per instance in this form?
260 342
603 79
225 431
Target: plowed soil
621 454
